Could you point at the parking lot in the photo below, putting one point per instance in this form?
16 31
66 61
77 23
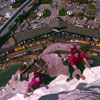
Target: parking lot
5 8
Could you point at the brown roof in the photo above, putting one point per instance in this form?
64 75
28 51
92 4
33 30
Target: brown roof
21 36
83 31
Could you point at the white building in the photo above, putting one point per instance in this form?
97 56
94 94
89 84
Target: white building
8 15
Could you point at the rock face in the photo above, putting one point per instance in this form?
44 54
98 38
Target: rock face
59 89
82 92
79 95
54 62
57 46
54 66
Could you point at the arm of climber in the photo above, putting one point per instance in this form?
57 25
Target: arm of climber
87 63
78 72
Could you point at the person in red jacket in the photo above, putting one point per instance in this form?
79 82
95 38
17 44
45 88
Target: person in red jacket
35 82
76 63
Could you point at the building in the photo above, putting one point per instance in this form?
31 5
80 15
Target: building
8 15
58 26
83 33
34 34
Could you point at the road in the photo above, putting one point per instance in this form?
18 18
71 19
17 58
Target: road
5 26
19 53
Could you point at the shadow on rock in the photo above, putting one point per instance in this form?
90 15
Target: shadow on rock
82 92
52 96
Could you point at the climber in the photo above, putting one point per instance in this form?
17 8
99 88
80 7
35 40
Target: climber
76 64
35 82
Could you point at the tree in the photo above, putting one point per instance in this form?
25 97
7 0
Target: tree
51 39
85 47
29 52
82 1
18 3
44 47
45 1
46 12
21 18
80 14
40 51
91 6
90 17
62 12
4 38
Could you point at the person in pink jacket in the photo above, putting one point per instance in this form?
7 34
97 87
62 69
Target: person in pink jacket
35 82
76 63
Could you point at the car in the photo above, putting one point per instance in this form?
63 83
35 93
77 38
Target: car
3 6
38 43
44 42
73 41
20 48
33 44
36 26
80 41
35 22
11 51
98 44
29 45
79 25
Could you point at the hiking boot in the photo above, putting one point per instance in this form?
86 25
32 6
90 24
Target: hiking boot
68 79
77 77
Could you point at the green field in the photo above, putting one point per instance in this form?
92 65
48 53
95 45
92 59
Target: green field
96 62
5 76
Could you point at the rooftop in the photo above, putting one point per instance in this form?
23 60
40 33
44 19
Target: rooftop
83 31
21 36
